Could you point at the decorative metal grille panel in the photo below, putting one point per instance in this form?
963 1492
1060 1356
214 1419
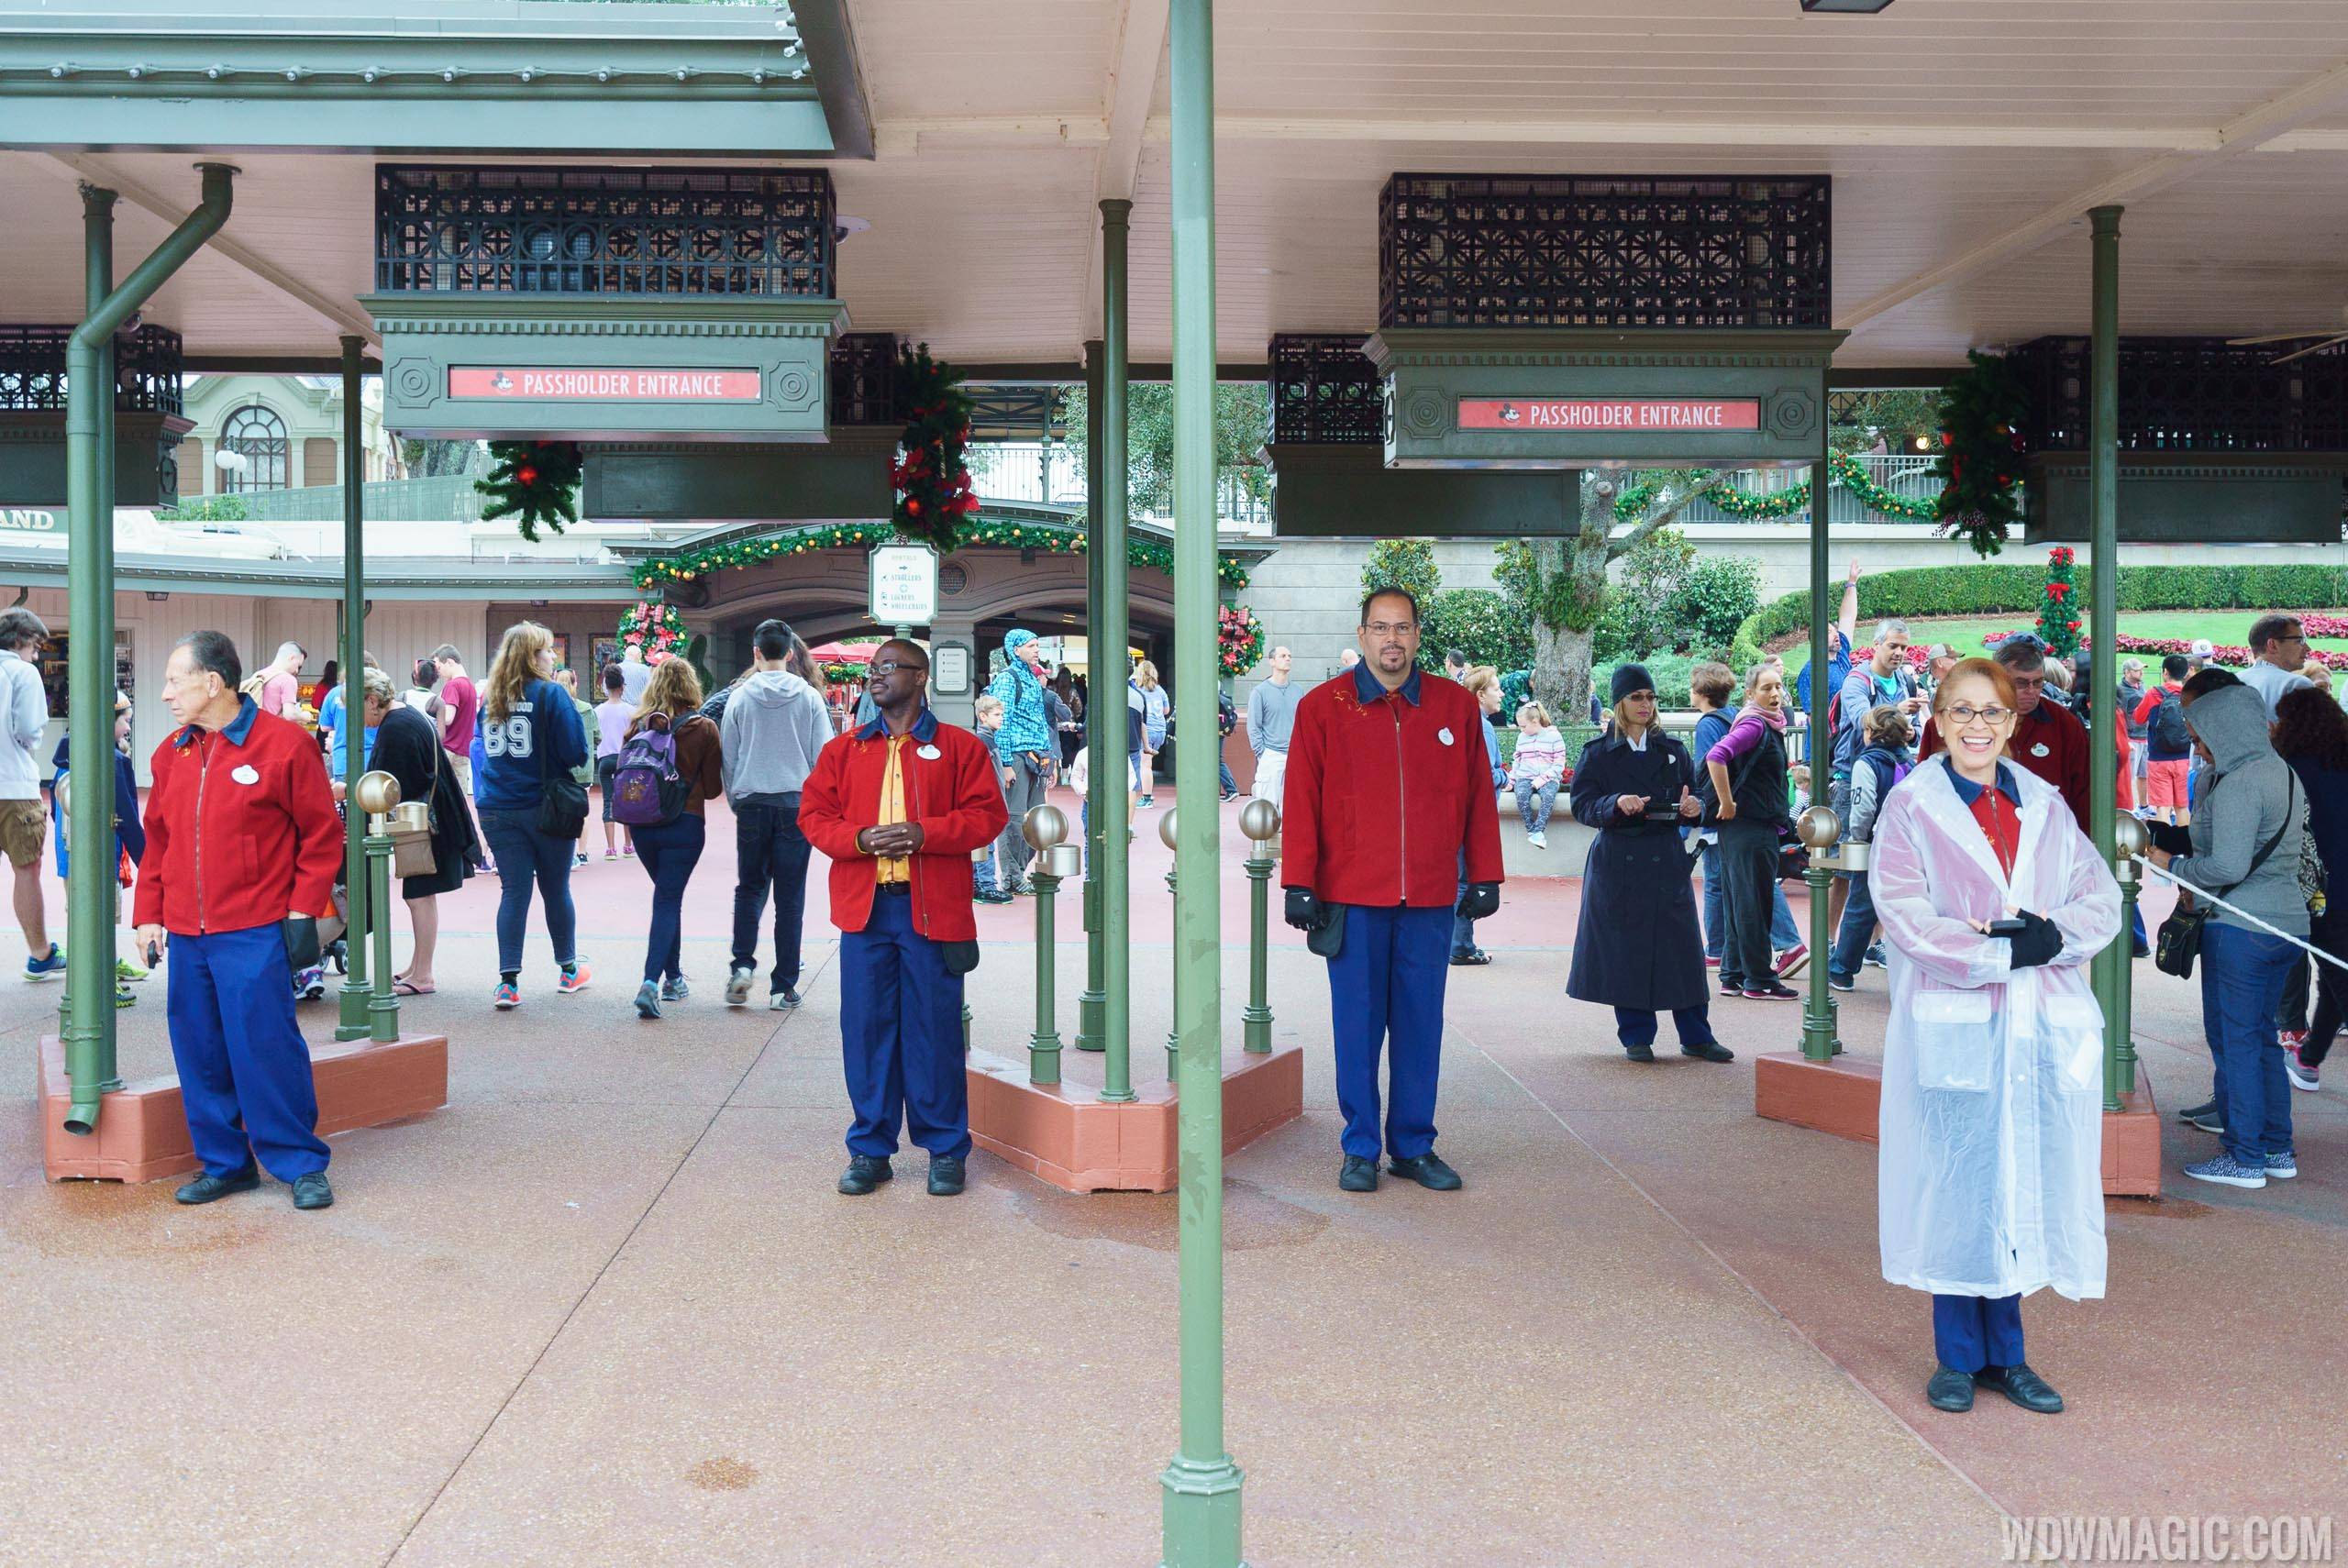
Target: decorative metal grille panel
1602 250
1325 390
763 232
2190 394
864 379
147 368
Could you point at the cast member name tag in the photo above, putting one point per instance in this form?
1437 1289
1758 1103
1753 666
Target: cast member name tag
1444 735
928 753
2038 750
245 774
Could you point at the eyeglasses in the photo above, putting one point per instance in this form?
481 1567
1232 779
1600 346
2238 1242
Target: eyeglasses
1993 715
1389 628
892 667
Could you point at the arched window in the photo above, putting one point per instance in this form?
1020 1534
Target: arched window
259 435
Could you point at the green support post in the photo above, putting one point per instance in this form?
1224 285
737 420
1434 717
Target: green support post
1819 1041
1090 1007
89 1030
1259 820
2108 968
357 1004
1174 980
1044 1045
1201 1485
2130 838
1113 856
383 1007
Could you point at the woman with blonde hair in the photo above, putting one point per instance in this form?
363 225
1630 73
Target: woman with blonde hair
670 733
530 739
1989 1180
1155 706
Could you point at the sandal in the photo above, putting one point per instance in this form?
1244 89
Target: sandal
403 987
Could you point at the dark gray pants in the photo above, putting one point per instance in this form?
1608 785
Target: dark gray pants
1748 861
1024 791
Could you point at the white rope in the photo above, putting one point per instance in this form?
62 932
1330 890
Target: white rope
2207 897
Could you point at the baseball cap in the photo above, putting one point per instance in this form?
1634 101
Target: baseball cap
2203 648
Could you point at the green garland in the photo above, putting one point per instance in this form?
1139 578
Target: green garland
935 500
1060 538
537 480
1842 469
1982 412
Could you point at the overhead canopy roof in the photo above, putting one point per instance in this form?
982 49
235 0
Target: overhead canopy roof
1965 140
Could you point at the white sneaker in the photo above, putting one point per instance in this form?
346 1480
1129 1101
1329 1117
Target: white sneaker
737 985
1537 840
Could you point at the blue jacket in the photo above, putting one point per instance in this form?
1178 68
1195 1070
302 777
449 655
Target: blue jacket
128 832
542 736
1837 667
2327 820
1492 754
1024 726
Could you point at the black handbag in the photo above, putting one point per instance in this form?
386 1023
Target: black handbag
562 805
2179 941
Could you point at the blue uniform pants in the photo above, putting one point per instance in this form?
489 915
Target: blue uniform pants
1974 1331
244 1067
901 1036
1385 990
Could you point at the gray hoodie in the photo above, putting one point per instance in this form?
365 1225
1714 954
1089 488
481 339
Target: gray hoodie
2247 793
774 725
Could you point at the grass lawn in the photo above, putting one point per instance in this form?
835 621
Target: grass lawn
1965 633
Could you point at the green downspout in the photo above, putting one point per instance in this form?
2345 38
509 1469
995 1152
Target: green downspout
1090 1033
1112 633
2103 599
89 485
1818 1041
1201 1485
357 999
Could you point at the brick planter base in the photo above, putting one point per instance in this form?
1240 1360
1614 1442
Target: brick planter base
1065 1135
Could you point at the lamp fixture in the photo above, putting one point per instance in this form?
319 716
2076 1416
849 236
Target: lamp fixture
1845 8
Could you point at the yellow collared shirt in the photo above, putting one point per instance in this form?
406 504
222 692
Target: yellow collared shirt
895 868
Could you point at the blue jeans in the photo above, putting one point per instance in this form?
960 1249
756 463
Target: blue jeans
524 856
670 851
1230 785
2241 979
1535 803
1858 929
770 853
1783 933
1463 930
1975 1332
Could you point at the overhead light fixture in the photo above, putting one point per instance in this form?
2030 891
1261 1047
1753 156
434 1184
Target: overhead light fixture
1845 8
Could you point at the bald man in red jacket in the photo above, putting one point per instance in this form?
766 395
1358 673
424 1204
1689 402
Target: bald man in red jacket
1388 807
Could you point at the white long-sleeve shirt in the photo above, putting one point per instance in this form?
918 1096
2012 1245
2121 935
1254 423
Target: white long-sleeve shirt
28 716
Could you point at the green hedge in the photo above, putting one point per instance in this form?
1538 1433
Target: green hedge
1986 589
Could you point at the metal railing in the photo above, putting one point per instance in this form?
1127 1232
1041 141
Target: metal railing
449 498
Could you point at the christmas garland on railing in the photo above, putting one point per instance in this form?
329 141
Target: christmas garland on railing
1842 469
1060 538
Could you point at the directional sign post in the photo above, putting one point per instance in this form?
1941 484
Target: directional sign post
904 585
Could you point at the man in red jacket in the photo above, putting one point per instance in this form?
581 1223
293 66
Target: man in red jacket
899 805
1389 804
241 834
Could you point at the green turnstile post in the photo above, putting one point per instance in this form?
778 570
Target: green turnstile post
374 799
357 999
1043 827
1261 821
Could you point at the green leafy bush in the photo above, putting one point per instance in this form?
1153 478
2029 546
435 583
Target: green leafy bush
1476 621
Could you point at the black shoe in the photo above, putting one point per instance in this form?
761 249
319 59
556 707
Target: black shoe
1428 1171
212 1189
2140 948
311 1191
864 1173
1639 1052
2208 1108
1949 1389
945 1175
1771 990
1358 1174
1709 1051
1472 956
2023 1387
995 896
1835 982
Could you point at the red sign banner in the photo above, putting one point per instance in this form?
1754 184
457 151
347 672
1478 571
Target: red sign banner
1645 415
568 384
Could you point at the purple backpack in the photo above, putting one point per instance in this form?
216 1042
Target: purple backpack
647 789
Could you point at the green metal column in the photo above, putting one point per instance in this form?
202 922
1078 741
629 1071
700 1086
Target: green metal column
1090 1033
90 619
1110 634
1201 1485
89 1034
1818 1041
356 1000
2103 625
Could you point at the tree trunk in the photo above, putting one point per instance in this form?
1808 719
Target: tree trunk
1571 594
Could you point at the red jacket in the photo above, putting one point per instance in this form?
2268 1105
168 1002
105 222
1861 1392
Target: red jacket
241 829
1383 789
2051 742
954 793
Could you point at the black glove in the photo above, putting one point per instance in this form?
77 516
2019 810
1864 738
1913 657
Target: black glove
2170 838
2037 943
1480 900
1305 911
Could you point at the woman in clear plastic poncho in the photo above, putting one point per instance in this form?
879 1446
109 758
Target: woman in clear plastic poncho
1991 1164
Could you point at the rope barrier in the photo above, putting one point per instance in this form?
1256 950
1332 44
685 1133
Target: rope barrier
2211 898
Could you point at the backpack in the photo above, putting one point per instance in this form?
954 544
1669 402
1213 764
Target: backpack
2167 729
647 789
253 685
